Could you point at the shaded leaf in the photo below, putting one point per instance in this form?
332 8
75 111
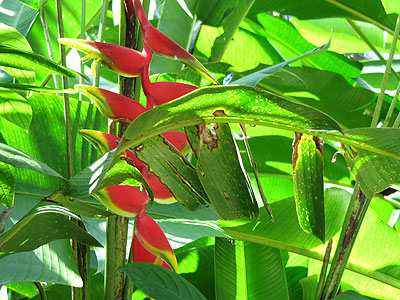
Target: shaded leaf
161 283
88 180
82 208
19 159
246 270
350 295
7 185
24 236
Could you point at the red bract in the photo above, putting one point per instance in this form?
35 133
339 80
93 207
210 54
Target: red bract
177 138
105 142
124 200
164 91
152 238
161 193
140 254
121 60
112 105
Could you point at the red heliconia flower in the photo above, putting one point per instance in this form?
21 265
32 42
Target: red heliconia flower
178 139
164 91
124 200
140 254
162 45
112 105
121 60
105 142
152 238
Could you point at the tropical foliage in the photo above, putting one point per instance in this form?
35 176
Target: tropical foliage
241 149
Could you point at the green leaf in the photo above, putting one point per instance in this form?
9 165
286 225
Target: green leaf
35 4
391 6
371 11
308 182
309 285
46 141
177 24
90 210
174 171
373 172
350 295
12 38
15 109
52 263
24 235
34 88
234 104
88 180
7 185
196 264
230 24
323 90
19 159
375 238
18 16
290 43
220 172
246 270
24 60
161 283
254 78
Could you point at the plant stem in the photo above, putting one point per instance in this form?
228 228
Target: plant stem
358 207
396 123
324 269
82 36
385 78
117 228
102 25
47 39
392 107
370 45
41 290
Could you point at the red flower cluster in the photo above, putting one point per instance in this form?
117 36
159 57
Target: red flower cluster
149 243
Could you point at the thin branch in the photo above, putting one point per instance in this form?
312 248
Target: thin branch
41 290
324 269
392 107
385 78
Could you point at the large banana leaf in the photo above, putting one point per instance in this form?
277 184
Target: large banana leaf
372 255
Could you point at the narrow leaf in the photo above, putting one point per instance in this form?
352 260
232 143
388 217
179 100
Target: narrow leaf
19 159
308 183
34 88
160 283
24 60
255 77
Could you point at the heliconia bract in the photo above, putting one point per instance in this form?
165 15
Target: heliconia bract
178 139
124 200
105 142
162 194
141 254
152 238
165 91
112 105
162 45
121 60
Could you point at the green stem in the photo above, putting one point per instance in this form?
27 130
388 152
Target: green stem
392 107
371 46
47 39
355 214
324 269
82 36
385 78
41 290
396 123
102 25
117 228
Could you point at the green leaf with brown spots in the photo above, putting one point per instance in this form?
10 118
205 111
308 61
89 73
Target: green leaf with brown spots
220 172
308 183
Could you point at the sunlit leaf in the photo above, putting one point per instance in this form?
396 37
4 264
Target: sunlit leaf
7 185
15 109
